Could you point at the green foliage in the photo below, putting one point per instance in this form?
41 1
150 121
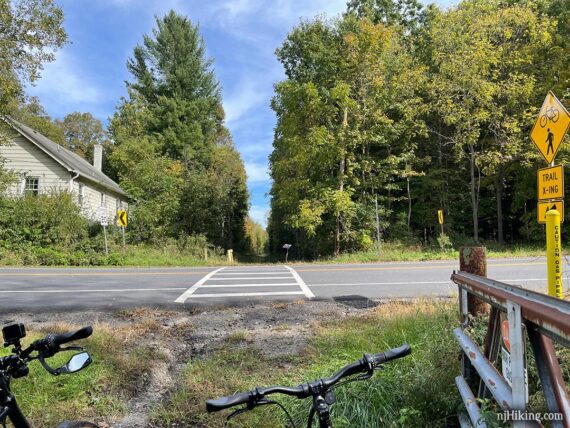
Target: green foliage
408 392
444 242
256 238
172 152
81 132
175 79
30 32
424 109
42 221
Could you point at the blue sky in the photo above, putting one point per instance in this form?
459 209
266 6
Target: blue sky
241 35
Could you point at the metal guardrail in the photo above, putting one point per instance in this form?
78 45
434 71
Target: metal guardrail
545 319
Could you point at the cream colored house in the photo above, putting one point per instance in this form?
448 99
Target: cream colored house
45 167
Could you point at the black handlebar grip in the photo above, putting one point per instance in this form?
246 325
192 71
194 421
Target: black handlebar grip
60 339
392 354
226 402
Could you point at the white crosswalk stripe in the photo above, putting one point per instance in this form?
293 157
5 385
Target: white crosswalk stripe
249 281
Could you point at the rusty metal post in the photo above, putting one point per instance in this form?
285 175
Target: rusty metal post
474 260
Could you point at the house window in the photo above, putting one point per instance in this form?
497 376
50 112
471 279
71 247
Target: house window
32 185
103 199
117 204
81 194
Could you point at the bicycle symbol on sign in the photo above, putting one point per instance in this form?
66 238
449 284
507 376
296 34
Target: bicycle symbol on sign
551 114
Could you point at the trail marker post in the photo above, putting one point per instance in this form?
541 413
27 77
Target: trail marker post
547 134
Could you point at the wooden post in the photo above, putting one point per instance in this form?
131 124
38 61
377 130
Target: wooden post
206 253
231 257
474 260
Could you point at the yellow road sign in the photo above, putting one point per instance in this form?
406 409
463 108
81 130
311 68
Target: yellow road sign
550 127
440 216
122 218
545 206
550 182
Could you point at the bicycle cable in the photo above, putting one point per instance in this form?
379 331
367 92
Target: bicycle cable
264 402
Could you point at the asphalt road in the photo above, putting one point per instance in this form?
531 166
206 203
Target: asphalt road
43 289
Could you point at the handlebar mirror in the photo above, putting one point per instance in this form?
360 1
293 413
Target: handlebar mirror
76 363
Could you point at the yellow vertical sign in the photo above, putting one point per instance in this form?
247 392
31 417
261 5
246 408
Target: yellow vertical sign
122 218
440 216
553 253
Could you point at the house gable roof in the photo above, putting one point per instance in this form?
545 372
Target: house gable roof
65 157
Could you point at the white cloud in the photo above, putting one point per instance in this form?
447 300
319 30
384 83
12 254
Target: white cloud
256 172
245 96
260 214
64 85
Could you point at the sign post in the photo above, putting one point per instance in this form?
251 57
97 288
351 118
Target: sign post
547 134
553 253
286 247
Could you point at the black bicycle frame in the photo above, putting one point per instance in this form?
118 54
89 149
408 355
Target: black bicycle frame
9 408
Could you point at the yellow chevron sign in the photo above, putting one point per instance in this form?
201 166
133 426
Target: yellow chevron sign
122 218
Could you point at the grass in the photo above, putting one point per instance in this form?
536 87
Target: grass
399 252
407 393
171 256
97 393
148 256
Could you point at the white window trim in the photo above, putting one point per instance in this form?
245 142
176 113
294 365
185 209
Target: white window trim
32 177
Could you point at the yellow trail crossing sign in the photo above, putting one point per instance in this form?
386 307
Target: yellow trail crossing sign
550 127
545 206
440 216
122 218
550 183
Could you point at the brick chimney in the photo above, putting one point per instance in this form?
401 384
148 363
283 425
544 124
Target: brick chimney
98 157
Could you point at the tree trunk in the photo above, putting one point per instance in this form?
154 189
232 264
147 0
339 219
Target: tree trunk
474 198
409 202
499 188
342 166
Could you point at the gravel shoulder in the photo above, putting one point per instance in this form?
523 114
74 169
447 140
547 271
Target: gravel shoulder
273 329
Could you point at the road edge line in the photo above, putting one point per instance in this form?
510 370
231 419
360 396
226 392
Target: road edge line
306 290
182 298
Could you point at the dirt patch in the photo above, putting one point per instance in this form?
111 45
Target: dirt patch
273 329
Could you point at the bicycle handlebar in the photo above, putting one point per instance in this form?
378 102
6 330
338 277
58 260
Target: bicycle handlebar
366 364
60 339
49 345
392 354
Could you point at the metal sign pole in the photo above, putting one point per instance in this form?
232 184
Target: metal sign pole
105 235
123 229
